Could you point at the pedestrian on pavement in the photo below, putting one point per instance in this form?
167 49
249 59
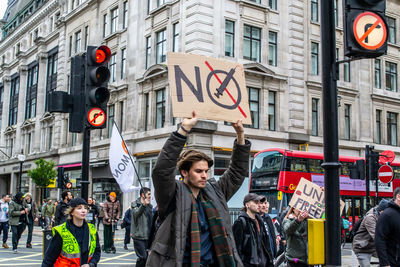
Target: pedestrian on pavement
193 210
111 217
4 224
364 240
92 212
48 212
101 215
42 220
75 242
273 236
32 217
295 227
60 216
251 237
387 233
17 218
142 213
126 223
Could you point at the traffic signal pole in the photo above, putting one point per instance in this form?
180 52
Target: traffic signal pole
330 127
85 163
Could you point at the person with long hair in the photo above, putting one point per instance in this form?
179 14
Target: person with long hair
295 227
75 242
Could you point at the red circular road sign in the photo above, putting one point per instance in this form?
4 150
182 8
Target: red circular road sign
386 156
96 117
370 30
385 174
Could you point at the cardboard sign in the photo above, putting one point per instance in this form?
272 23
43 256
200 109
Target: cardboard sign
214 88
309 196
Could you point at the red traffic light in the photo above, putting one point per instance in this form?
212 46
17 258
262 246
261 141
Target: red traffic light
101 54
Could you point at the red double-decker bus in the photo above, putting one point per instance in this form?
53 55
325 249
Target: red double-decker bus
276 173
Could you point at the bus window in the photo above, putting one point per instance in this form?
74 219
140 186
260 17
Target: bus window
297 164
315 165
345 168
267 162
396 171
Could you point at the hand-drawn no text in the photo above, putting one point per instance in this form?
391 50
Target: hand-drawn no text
224 81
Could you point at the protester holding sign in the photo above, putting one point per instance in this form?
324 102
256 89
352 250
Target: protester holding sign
295 227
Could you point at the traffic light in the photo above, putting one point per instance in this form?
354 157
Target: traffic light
374 165
77 89
365 28
60 178
97 95
357 170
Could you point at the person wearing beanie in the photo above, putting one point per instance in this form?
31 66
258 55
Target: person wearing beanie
111 217
75 242
32 217
18 217
363 241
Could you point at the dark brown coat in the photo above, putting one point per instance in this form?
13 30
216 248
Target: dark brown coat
111 211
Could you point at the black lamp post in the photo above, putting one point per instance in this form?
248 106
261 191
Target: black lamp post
21 158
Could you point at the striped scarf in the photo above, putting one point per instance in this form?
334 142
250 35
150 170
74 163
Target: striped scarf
222 249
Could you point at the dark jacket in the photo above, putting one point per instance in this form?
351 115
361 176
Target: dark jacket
250 243
112 211
93 212
54 249
296 236
272 231
128 218
60 216
141 220
33 210
14 210
387 236
363 241
169 244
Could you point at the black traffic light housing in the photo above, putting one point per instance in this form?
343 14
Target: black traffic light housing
60 178
96 81
357 170
374 165
352 9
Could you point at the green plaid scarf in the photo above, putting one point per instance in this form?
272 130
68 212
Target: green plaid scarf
222 249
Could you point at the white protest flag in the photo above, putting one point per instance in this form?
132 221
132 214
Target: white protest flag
121 165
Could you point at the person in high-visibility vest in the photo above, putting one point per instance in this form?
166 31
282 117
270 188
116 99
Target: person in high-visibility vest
75 243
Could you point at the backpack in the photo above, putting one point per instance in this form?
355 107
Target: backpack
355 228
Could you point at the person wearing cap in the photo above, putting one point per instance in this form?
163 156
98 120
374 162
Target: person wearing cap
17 218
111 217
364 240
193 211
75 242
252 241
387 233
32 217
272 233
60 216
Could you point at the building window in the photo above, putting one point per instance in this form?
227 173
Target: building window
392 128
272 49
377 73
70 46
254 106
52 66
110 120
161 46
113 68
31 91
28 143
149 6
347 110
86 37
346 71
314 10
175 45
229 38
148 51
392 30
272 110
160 2
1 102
338 67
391 76
14 93
336 13
378 126
160 108
125 15
273 4
314 122
314 59
147 111
252 43
104 24
114 20
121 116
256 1
78 42
123 63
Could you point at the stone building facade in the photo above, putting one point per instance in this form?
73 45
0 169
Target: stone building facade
278 42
